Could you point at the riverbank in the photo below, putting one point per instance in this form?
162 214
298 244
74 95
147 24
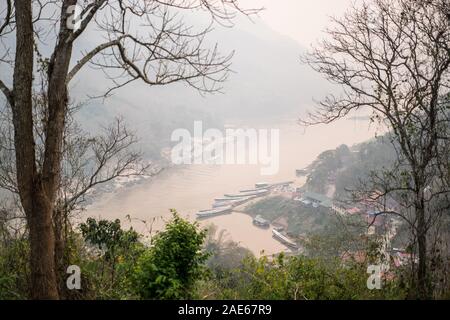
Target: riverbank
189 189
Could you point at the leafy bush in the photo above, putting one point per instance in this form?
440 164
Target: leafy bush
301 278
14 269
174 263
108 269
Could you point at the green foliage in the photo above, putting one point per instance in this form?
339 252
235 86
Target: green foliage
108 269
185 262
346 169
327 163
302 219
225 256
375 155
14 269
170 269
108 236
302 278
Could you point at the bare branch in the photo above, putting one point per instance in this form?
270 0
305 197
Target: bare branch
88 57
7 92
8 16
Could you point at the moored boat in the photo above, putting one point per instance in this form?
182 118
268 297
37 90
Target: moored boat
283 239
214 212
232 202
259 192
220 204
223 199
249 190
285 183
301 172
261 222
260 185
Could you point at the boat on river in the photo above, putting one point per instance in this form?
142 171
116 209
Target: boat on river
257 193
301 172
261 222
224 199
281 184
283 239
260 185
214 212
234 202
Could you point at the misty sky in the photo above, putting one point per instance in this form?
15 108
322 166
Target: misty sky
302 20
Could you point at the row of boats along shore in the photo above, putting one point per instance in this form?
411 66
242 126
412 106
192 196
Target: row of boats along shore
228 202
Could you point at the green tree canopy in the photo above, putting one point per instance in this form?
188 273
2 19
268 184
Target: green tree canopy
170 269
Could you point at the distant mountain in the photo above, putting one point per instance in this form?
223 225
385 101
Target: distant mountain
268 77
268 82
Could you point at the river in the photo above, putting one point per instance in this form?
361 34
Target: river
190 188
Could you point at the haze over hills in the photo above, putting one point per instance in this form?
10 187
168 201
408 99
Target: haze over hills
97 202
268 81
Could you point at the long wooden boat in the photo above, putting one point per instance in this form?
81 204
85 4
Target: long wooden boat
283 239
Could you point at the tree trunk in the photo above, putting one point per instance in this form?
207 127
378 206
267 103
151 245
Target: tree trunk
35 201
42 241
422 283
57 109
60 245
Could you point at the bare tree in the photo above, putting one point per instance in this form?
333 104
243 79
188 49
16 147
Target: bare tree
88 160
392 57
145 40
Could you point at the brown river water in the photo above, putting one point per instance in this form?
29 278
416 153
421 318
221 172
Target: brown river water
190 188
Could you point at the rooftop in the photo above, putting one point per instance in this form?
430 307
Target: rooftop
322 199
